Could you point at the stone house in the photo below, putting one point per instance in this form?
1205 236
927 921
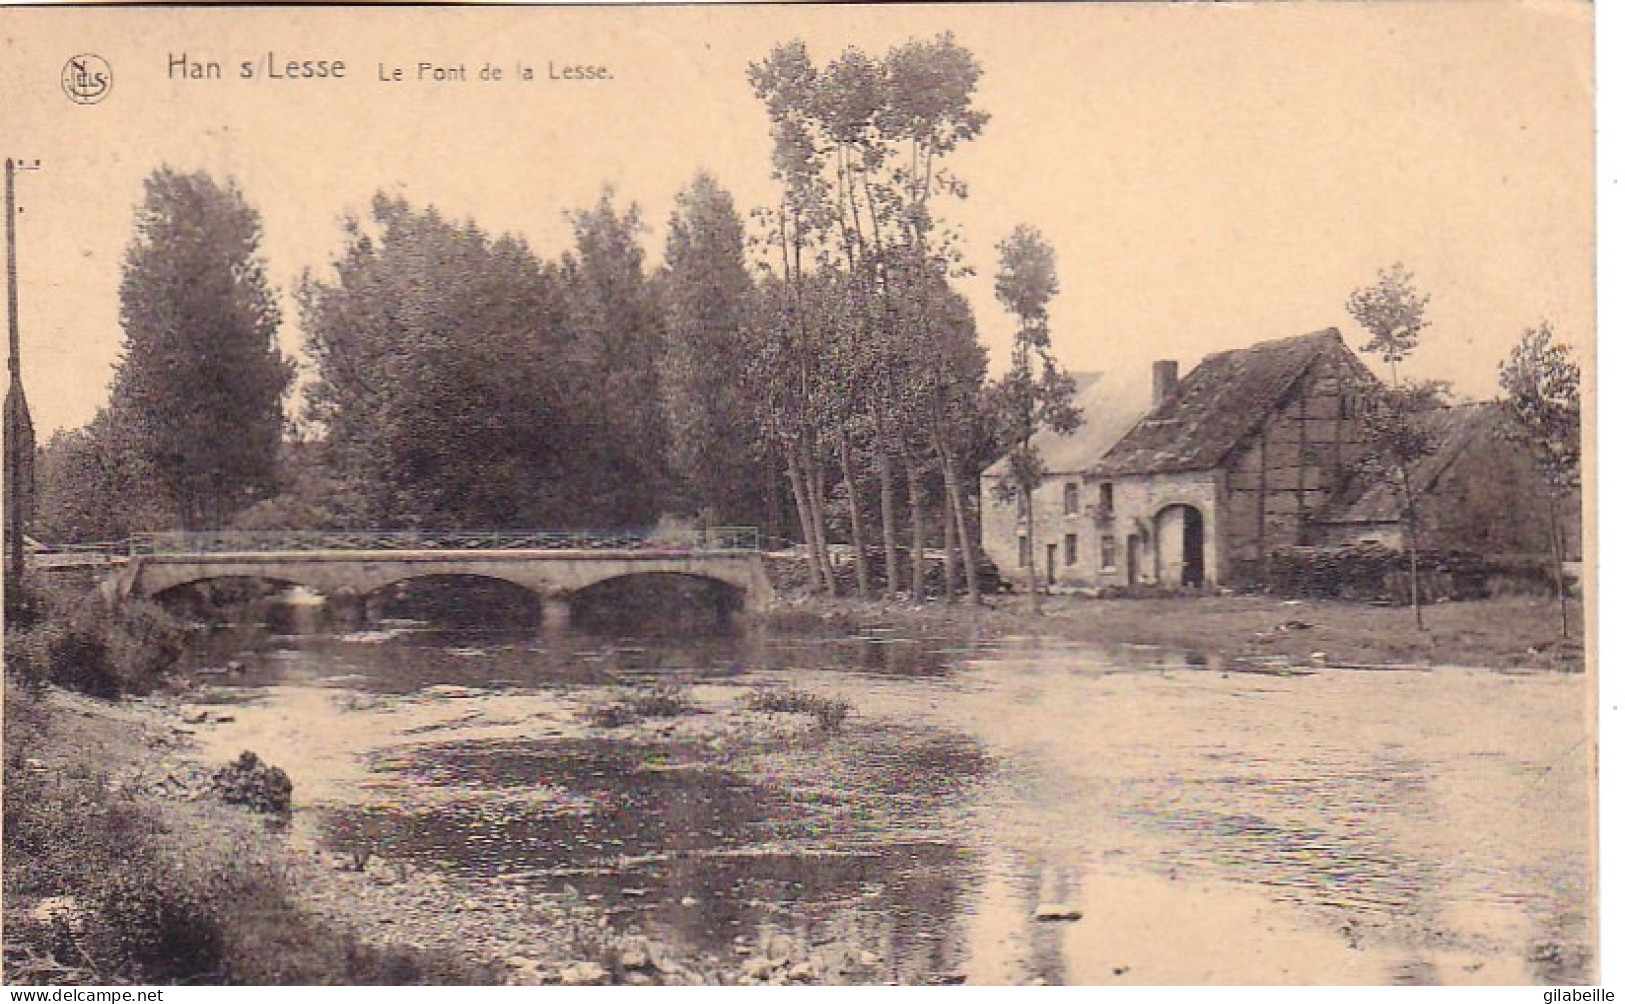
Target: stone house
1234 461
1111 403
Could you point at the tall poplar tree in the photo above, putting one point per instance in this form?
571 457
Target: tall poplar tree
705 288
1394 315
616 320
1036 393
1541 379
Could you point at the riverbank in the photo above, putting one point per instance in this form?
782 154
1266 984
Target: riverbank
1500 633
125 865
355 906
631 786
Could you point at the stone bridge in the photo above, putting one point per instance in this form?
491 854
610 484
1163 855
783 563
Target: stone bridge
553 566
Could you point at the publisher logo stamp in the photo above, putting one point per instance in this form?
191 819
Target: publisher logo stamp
86 79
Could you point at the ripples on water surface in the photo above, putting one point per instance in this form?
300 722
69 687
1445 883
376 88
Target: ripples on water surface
1208 826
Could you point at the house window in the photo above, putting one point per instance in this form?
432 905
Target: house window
1072 549
1024 551
1105 506
1069 498
1108 553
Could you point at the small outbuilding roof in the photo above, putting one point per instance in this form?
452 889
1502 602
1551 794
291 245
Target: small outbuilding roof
1450 430
1223 401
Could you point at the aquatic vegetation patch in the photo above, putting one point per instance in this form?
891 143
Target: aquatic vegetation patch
660 701
831 712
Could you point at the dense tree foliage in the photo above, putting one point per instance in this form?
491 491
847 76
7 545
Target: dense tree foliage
201 380
448 378
619 464
462 381
94 486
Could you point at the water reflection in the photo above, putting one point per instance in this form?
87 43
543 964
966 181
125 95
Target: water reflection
1402 828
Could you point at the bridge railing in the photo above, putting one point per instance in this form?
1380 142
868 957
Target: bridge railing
712 540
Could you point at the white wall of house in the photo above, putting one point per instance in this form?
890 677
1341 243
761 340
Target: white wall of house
1083 539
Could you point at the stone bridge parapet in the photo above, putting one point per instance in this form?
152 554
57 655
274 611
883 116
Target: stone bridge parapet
549 573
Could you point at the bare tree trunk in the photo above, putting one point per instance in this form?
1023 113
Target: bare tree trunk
771 503
803 510
888 518
1032 552
1411 533
1557 560
815 489
956 510
950 571
916 513
855 511
1409 501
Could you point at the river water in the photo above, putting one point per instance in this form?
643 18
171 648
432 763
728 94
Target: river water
1192 824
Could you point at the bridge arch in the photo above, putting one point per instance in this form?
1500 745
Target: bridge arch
173 589
657 598
459 599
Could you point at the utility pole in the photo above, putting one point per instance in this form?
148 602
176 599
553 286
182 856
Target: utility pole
19 426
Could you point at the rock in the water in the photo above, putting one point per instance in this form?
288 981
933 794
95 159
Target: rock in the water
450 690
1057 912
250 781
635 955
525 972
584 974
780 948
60 910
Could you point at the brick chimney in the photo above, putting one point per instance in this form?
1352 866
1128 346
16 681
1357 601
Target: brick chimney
1164 380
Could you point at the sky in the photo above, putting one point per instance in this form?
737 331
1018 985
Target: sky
1210 176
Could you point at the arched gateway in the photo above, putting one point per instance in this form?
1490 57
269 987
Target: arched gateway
1180 546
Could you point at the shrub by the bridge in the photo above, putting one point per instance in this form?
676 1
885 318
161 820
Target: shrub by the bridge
79 642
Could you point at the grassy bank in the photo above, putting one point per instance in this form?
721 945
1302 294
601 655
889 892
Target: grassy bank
118 869
1500 633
